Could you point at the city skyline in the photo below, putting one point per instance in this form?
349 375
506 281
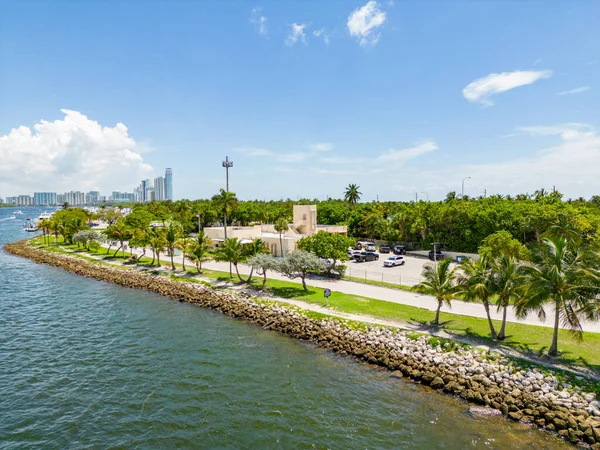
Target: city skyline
306 98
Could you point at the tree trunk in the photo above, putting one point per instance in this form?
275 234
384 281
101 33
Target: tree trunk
143 253
171 251
264 280
554 347
108 249
281 243
117 250
238 272
304 282
250 276
436 321
486 305
183 261
501 335
157 259
198 267
153 257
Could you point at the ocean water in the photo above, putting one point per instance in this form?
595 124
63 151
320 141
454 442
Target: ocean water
86 364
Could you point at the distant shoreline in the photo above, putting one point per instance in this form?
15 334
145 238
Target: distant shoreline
523 394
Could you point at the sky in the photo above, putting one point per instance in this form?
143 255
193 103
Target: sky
407 99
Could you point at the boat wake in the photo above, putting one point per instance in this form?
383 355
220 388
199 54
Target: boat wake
8 218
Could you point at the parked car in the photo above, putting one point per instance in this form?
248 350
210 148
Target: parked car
438 255
399 250
327 262
366 256
370 247
384 248
394 261
353 254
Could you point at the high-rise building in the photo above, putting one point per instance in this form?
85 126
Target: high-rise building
75 198
92 197
24 200
159 189
120 197
168 184
44 198
61 198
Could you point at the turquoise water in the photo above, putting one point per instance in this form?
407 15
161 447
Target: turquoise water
85 364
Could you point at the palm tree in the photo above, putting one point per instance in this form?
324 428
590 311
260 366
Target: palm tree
183 244
562 275
44 225
439 282
231 251
119 232
172 235
256 247
225 201
352 194
508 285
476 283
281 226
198 250
157 244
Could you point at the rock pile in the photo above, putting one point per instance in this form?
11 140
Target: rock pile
522 394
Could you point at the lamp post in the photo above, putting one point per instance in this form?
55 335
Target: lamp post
426 194
227 164
462 191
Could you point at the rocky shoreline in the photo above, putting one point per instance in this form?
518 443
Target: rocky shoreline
522 394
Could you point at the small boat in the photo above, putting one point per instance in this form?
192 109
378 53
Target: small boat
45 215
18 212
30 226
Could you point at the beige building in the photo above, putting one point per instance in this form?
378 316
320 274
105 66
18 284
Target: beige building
304 224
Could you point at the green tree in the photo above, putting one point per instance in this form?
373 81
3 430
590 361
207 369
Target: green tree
44 225
352 194
86 237
256 247
183 244
476 283
508 286
502 243
110 216
231 251
564 276
157 243
298 264
140 239
281 226
326 245
198 250
439 281
225 202
119 232
262 263
173 233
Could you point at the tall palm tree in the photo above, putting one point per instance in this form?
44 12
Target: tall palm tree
183 244
173 233
564 276
119 232
44 225
231 251
198 250
157 243
352 194
508 286
476 283
439 281
225 201
281 226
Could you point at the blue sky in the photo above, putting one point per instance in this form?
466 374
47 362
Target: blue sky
305 97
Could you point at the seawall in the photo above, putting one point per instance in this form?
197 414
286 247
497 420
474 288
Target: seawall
522 394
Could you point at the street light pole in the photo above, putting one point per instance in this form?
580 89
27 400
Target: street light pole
462 191
227 164
426 195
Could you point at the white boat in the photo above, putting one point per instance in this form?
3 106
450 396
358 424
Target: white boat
45 215
30 226
18 212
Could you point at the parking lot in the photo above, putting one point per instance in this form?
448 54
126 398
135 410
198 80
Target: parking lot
409 274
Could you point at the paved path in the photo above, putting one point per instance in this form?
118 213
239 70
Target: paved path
395 296
407 298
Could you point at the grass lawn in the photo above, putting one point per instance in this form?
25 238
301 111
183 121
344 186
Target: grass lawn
529 340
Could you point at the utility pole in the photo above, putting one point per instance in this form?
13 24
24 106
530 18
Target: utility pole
416 197
485 193
462 191
227 164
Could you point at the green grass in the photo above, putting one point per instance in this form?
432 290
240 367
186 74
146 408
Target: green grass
377 283
528 340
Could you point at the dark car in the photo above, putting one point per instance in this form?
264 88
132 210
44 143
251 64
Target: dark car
399 250
438 255
366 256
384 248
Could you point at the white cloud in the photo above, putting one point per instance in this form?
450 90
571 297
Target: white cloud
297 34
363 22
578 90
74 153
480 90
571 165
260 21
323 34
291 157
323 171
322 147
402 155
251 151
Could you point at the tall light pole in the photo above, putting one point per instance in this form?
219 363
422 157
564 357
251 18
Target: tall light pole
426 195
462 191
227 164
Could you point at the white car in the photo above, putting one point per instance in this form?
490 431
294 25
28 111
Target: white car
371 247
393 261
